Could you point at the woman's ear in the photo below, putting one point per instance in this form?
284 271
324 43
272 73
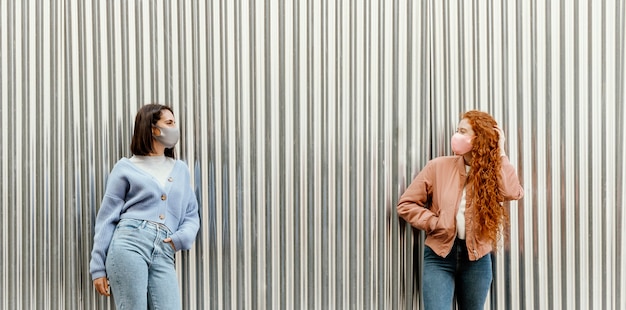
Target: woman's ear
156 131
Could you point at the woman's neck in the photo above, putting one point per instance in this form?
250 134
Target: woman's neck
157 148
468 159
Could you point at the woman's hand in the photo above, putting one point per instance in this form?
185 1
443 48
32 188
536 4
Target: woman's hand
169 240
102 286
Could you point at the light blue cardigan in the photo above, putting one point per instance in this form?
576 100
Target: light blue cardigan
132 193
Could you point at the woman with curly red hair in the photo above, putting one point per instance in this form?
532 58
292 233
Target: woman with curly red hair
457 200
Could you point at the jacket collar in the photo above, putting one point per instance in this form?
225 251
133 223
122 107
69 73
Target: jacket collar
460 164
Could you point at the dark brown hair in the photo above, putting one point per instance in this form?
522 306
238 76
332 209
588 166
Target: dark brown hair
484 176
146 118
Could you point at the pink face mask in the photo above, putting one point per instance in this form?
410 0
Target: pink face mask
461 144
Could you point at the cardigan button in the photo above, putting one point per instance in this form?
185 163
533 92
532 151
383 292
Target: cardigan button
170 179
163 197
162 216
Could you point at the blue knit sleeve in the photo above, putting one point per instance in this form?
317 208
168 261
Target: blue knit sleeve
185 235
106 220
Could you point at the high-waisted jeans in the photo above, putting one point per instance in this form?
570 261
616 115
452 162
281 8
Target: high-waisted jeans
140 267
455 275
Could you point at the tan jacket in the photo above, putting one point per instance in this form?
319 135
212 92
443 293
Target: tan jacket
441 184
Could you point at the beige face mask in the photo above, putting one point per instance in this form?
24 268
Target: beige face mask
169 136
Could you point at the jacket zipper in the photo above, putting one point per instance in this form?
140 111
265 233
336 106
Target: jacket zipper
474 249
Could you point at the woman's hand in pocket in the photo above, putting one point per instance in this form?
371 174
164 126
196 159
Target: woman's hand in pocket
169 240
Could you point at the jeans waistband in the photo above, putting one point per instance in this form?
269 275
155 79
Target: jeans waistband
149 224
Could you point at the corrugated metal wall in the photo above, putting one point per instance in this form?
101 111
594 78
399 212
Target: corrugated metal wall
303 121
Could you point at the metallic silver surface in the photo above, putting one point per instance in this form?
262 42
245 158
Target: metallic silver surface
302 122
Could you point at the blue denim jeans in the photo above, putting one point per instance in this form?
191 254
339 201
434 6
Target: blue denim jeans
140 267
455 275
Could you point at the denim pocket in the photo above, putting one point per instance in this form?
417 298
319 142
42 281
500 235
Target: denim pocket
169 251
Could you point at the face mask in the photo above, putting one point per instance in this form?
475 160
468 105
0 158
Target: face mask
168 137
461 144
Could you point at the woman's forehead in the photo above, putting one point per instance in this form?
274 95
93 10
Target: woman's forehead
464 123
166 115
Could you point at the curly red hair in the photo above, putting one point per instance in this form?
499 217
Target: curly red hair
484 176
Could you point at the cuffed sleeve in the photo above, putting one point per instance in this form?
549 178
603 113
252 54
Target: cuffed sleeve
412 204
106 220
185 236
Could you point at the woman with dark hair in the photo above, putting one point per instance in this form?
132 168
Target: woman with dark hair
457 200
148 212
